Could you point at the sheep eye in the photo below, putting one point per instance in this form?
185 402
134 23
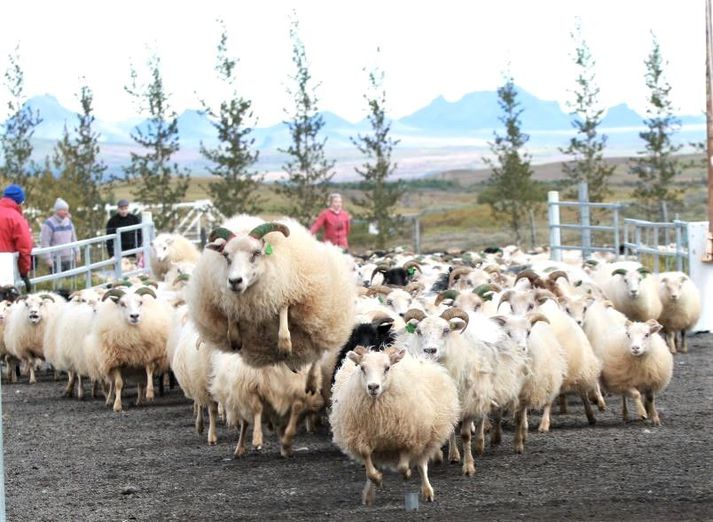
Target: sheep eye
446 331
646 335
363 370
226 257
389 302
530 307
386 370
418 331
256 254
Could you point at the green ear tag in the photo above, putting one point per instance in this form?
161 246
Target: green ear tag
410 328
268 249
411 271
381 299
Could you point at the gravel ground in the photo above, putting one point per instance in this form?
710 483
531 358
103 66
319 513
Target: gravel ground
73 460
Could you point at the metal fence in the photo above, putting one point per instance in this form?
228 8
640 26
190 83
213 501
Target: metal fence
93 265
660 245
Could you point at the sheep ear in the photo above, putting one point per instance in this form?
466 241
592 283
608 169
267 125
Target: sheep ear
500 319
654 325
385 327
354 357
396 355
682 279
218 244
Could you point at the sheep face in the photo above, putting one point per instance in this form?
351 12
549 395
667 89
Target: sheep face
399 301
375 368
35 305
161 245
244 257
521 301
130 303
672 286
431 334
519 327
576 308
4 309
639 336
632 279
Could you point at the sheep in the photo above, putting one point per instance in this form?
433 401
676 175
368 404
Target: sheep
390 409
487 368
272 291
131 329
247 393
547 367
10 361
399 276
634 293
170 248
25 328
191 364
636 362
681 302
80 313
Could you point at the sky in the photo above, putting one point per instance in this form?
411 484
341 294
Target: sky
427 49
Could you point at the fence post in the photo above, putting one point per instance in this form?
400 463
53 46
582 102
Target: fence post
117 256
679 248
553 216
637 239
584 220
87 262
147 235
417 234
617 246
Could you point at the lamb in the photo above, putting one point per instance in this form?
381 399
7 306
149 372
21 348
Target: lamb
25 328
547 367
167 249
390 409
681 303
487 368
634 293
247 392
131 328
272 291
191 364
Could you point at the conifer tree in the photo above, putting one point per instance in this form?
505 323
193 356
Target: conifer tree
234 156
154 177
308 169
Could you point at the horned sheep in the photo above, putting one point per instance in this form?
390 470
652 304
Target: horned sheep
391 409
681 302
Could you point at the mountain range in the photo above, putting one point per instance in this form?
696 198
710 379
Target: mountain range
467 123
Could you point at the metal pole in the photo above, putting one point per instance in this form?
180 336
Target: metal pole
655 244
417 233
637 236
709 127
553 216
679 249
584 220
117 256
616 233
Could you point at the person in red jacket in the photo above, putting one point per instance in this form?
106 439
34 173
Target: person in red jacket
15 233
335 221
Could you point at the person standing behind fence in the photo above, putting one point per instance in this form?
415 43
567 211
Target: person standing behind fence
59 230
335 221
130 239
15 235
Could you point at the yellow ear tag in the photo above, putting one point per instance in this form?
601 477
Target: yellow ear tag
268 249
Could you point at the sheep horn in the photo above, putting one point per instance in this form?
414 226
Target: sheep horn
414 288
114 292
381 319
220 233
534 317
149 282
554 276
183 277
535 280
380 289
619 271
543 295
452 313
47 296
486 291
266 228
448 294
456 273
145 290
644 271
414 313
412 264
379 269
492 268
591 262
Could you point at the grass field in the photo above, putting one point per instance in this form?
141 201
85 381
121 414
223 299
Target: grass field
450 215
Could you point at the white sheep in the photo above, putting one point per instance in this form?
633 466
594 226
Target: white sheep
25 328
390 409
247 393
634 292
167 249
272 291
131 329
681 303
10 360
190 361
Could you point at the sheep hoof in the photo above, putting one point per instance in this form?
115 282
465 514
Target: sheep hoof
257 447
454 458
239 452
367 497
286 451
117 409
480 448
656 422
284 344
427 493
212 442
376 478
469 469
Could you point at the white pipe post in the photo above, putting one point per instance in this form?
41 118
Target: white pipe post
553 216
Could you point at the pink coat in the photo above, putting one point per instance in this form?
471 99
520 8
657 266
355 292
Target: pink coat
336 226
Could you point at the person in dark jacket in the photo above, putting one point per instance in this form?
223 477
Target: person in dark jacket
130 239
15 233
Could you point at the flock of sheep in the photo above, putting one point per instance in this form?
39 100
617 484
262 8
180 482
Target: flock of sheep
268 326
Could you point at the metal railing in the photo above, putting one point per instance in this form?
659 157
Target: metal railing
644 238
95 260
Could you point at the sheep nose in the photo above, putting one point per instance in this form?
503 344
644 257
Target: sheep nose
134 316
373 388
235 281
430 351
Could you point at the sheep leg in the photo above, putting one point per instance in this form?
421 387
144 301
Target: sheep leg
496 435
465 435
372 473
291 428
426 489
284 341
108 389
150 368
684 342
198 410
69 390
624 410
545 421
651 408
313 384
563 403
404 466
671 340
368 494
212 414
453 453
118 386
31 366
588 409
240 448
634 394
80 388
95 389
139 393
480 437
221 412
520 421
600 398
257 425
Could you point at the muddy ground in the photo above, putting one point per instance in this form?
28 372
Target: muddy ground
70 460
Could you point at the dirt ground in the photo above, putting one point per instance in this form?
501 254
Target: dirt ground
70 460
